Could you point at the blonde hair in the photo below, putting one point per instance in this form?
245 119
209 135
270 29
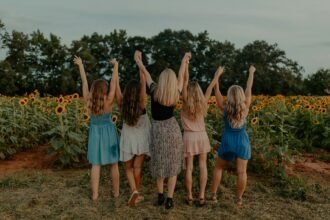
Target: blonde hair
195 104
235 106
167 91
97 95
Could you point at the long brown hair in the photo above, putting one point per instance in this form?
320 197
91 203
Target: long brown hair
235 106
195 105
130 109
97 96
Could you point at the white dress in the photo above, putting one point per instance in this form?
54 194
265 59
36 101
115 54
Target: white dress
135 140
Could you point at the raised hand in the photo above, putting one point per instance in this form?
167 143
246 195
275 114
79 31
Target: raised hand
114 62
137 56
219 71
187 56
252 69
77 60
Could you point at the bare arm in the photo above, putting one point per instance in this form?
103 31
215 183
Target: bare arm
114 79
216 77
182 70
185 81
119 95
138 60
248 90
77 60
143 90
219 97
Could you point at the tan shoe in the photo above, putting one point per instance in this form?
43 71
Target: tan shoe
133 198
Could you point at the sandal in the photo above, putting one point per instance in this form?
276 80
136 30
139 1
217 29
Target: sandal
201 202
189 201
239 202
214 198
132 199
139 199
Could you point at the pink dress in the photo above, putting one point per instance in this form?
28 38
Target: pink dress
195 139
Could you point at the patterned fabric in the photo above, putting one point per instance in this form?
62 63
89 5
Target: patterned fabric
195 139
166 149
103 141
135 140
234 143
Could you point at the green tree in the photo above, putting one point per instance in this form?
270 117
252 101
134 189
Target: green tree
318 83
7 82
17 45
276 74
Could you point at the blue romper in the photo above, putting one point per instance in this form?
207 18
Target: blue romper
234 143
103 141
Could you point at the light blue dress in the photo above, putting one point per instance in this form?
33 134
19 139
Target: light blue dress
103 140
235 142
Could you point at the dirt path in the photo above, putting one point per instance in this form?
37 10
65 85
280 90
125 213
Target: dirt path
36 158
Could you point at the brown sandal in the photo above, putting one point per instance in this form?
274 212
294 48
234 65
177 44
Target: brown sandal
239 202
189 201
133 198
214 198
201 202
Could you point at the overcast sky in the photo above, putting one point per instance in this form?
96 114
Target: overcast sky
300 27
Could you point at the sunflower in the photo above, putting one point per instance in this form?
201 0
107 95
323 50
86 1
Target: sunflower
114 119
86 117
56 100
308 107
60 109
323 110
254 108
31 95
22 102
254 120
316 122
33 99
178 106
75 96
61 99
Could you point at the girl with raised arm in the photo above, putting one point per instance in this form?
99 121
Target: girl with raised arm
195 139
103 141
166 149
235 143
135 134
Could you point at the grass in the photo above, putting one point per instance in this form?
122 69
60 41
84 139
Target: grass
64 194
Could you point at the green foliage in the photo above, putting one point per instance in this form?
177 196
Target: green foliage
45 63
291 187
318 83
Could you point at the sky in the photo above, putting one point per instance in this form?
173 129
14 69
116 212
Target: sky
300 27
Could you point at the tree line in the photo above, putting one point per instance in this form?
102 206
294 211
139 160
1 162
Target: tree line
34 61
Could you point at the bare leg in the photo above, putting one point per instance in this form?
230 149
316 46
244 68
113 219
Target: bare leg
171 186
138 163
95 180
202 175
188 176
217 174
130 174
241 178
115 179
160 185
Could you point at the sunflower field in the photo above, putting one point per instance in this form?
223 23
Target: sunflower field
278 126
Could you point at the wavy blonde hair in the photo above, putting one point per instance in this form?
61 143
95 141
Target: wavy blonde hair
195 104
167 91
97 96
235 105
